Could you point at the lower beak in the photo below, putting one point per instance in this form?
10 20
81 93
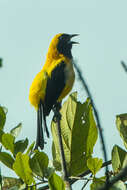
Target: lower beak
72 42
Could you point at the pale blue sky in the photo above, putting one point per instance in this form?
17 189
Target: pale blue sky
26 29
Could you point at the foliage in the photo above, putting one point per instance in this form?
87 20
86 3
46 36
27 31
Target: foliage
79 136
55 182
79 133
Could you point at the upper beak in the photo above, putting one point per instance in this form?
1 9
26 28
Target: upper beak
73 35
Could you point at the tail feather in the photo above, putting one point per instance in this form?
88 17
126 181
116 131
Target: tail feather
41 118
44 120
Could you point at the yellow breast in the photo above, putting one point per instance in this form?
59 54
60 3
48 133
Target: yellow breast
69 79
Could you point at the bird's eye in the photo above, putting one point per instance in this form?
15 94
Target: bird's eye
61 37
64 37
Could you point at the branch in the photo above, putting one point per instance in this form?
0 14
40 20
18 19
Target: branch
118 177
89 172
82 175
83 187
39 183
1 61
57 116
44 187
124 65
96 116
1 176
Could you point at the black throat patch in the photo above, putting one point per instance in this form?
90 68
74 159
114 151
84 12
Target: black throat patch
64 45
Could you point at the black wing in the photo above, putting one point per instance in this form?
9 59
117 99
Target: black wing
54 87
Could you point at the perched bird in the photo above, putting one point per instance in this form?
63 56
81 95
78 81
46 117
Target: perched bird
53 82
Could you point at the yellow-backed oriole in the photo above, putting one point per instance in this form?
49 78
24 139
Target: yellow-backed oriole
53 82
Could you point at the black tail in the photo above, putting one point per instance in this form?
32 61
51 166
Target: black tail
44 120
40 135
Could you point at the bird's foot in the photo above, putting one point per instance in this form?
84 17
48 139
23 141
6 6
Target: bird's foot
56 110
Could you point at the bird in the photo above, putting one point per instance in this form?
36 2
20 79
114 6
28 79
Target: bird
53 82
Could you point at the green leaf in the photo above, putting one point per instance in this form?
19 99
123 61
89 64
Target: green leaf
22 168
16 130
6 159
119 158
79 135
121 123
30 149
49 172
2 117
14 188
94 164
118 186
97 183
10 182
22 187
20 146
55 182
8 141
5 110
1 134
39 163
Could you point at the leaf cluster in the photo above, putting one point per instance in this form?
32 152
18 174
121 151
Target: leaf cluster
79 135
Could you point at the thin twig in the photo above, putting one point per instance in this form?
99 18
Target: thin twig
83 187
89 172
44 187
96 116
1 185
82 175
124 65
57 116
34 185
80 178
0 176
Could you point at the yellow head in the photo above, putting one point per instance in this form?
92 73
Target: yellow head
61 44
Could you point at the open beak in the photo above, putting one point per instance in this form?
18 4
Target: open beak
73 35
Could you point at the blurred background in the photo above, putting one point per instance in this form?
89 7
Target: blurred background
26 29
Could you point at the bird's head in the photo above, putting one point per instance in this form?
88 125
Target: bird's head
62 44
